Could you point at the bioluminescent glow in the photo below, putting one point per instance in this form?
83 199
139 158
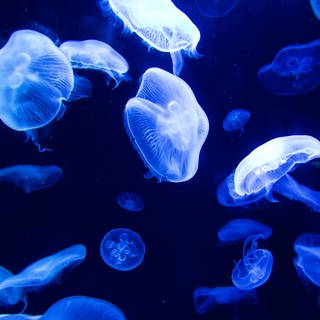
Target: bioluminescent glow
236 119
130 201
216 8
315 5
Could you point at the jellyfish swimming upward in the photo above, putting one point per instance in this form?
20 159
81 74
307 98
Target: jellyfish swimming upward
160 24
167 126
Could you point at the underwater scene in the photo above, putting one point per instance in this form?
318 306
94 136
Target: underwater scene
160 159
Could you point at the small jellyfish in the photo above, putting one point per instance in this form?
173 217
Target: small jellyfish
166 126
295 70
45 270
254 269
315 5
235 120
31 177
160 24
122 249
207 298
96 55
83 308
216 8
241 229
130 201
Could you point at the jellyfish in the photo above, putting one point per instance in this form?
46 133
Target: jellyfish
235 120
216 8
31 177
130 201
45 270
295 70
166 126
207 298
83 308
19 316
122 249
96 55
241 229
255 268
160 24
315 5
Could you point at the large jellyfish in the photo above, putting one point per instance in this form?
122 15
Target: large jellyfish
122 249
31 177
207 298
167 126
130 201
96 55
241 229
315 5
45 270
254 269
83 308
216 8
236 119
160 24
295 70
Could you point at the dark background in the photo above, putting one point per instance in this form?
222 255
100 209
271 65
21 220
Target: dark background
180 221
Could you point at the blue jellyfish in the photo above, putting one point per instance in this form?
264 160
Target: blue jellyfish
166 126
207 298
96 55
241 229
45 270
315 5
160 24
122 249
83 308
254 269
235 120
215 8
31 177
130 201
19 316
295 70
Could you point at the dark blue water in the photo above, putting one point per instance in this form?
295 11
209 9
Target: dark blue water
180 221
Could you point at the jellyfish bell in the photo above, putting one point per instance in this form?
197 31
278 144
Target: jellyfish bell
236 119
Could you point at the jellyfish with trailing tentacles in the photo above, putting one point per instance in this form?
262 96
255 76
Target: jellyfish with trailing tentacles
130 201
216 8
167 126
235 120
160 24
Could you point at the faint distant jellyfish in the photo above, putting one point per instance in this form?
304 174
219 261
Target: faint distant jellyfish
315 5
216 8
122 249
241 229
31 177
130 201
207 298
166 126
295 70
160 24
96 55
83 308
254 269
235 120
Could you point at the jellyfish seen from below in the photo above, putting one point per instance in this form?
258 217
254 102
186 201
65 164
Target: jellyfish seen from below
215 8
31 177
272 160
254 269
167 126
241 229
160 24
96 55
45 270
207 298
130 201
122 249
295 70
235 120
315 5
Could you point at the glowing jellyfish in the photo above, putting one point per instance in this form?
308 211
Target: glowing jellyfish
130 201
166 126
31 177
160 24
207 298
235 120
45 270
122 249
295 70
272 160
254 269
241 229
216 8
96 55
315 5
